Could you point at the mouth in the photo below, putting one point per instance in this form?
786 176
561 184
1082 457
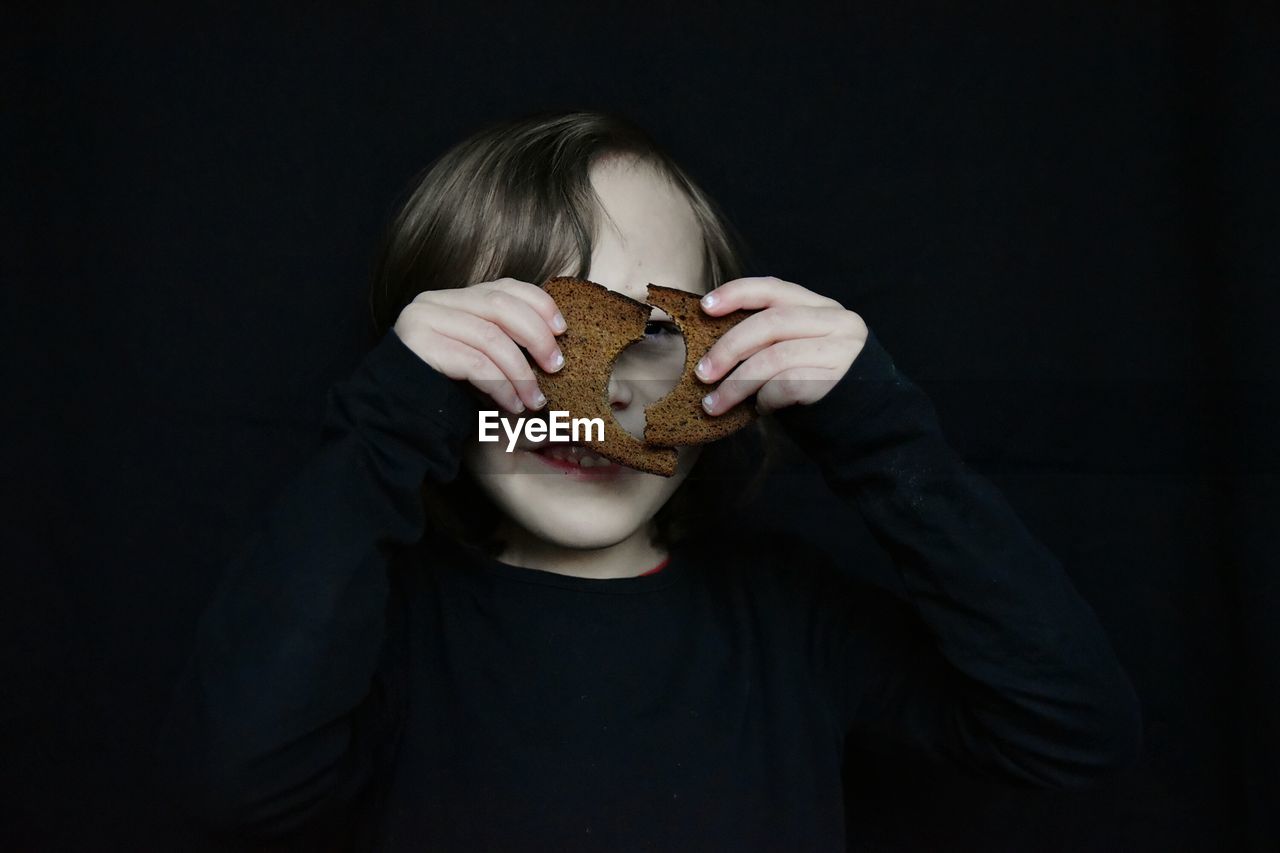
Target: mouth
576 461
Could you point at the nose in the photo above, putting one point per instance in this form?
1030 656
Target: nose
619 393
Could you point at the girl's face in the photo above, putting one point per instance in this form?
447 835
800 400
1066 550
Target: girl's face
648 234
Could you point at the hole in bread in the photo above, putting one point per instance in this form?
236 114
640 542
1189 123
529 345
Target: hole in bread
646 371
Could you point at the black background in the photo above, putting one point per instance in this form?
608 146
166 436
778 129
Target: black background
1062 220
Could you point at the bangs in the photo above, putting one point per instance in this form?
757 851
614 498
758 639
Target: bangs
516 200
535 222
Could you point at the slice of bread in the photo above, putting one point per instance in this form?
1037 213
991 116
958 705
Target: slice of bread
601 324
678 418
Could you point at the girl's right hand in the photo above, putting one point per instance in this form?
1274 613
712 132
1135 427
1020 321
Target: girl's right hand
475 334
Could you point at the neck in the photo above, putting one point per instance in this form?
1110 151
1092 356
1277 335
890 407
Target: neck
628 558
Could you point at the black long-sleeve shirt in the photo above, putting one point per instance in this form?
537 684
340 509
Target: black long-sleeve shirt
357 670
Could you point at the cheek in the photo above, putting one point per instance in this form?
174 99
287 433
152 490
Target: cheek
652 370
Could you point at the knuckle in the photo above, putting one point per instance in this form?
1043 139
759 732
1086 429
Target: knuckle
783 383
726 391
545 346
788 390
407 322
721 350
541 305
513 363
520 368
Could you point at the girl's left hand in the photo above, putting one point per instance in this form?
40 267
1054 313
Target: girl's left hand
792 351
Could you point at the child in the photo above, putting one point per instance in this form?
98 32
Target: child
434 643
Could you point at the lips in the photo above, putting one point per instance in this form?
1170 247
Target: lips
574 454
576 462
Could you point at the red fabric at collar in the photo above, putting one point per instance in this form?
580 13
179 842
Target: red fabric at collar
656 568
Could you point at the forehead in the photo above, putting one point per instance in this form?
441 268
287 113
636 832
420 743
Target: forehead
647 233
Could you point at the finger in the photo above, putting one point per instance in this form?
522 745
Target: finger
537 299
764 365
517 318
752 374
532 295
759 292
501 392
795 385
490 339
759 331
459 361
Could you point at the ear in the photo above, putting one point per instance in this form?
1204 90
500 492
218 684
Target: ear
590 345
678 418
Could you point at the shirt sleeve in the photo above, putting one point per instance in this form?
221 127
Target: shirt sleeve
290 697
1012 674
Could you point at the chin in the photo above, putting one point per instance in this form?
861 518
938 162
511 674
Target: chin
579 531
568 512
570 516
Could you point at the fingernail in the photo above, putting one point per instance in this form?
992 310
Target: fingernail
557 361
519 407
558 323
702 369
709 403
709 300
540 400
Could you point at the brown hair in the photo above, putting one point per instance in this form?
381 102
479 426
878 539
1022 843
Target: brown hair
515 199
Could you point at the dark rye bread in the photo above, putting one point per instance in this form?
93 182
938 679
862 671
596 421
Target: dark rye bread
601 324
678 418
